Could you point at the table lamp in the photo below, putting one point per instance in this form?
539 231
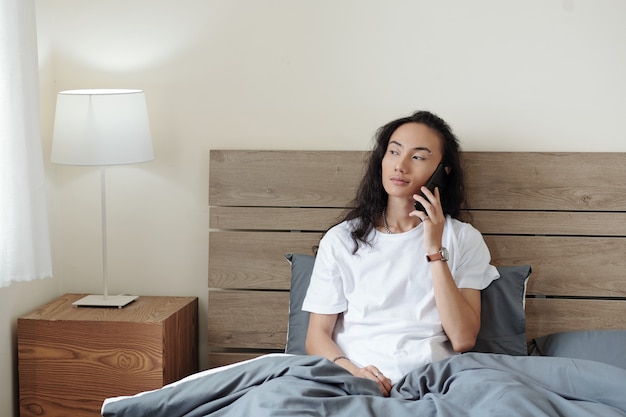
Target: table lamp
101 127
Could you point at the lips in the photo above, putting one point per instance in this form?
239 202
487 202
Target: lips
399 180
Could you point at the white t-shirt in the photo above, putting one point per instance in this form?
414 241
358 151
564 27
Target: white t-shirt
385 293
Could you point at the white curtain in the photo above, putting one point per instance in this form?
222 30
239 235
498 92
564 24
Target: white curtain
24 233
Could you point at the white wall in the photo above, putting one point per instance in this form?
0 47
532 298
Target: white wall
531 75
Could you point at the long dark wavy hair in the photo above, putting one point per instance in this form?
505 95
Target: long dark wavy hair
371 197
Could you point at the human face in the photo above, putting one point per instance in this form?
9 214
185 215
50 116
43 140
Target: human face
413 153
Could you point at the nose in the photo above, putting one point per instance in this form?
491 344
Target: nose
400 165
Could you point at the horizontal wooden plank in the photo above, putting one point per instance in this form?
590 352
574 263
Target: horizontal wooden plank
549 223
545 316
248 319
561 265
250 260
495 180
217 359
545 181
284 178
233 324
273 218
567 266
487 221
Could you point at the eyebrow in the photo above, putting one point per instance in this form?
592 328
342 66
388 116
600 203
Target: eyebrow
419 148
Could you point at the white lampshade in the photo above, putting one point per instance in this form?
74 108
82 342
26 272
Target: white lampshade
101 127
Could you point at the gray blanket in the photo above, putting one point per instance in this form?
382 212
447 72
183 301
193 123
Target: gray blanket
471 384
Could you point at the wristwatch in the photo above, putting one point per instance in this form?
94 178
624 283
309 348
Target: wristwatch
442 255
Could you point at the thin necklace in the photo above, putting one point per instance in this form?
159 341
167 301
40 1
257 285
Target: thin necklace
385 223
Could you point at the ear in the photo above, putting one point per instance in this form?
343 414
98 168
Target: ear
448 170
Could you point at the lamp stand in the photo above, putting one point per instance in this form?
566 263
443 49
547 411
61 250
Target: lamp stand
104 300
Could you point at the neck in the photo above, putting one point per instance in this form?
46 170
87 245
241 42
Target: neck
396 222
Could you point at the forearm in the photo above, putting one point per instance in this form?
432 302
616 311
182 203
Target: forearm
319 342
459 310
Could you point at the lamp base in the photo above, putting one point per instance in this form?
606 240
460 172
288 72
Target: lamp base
118 301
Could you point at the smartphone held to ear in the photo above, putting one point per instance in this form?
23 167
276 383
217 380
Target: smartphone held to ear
437 180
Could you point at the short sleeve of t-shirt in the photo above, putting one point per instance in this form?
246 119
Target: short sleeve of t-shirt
470 257
326 296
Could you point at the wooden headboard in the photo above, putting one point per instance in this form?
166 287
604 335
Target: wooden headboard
563 213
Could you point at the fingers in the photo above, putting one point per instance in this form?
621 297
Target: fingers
430 202
384 383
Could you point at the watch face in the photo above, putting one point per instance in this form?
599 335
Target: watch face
444 254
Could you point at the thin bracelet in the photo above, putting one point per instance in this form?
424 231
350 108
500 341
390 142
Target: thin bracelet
340 357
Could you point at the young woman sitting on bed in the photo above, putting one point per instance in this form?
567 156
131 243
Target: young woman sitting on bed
393 287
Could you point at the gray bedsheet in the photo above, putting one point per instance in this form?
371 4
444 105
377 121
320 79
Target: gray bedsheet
472 384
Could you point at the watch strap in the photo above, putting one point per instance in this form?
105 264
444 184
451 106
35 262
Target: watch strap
434 257
441 255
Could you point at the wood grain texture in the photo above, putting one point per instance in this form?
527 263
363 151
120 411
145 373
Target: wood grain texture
545 316
495 180
71 359
180 342
561 265
255 260
222 358
565 266
562 213
487 221
549 223
233 320
545 181
283 178
248 319
274 218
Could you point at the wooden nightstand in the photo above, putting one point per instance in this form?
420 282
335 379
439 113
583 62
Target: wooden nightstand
71 358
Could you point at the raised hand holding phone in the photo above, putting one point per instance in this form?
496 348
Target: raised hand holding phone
437 180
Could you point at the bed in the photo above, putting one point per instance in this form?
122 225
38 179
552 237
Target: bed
553 329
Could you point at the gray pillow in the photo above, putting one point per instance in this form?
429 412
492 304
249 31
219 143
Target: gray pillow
606 346
502 315
503 319
301 269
